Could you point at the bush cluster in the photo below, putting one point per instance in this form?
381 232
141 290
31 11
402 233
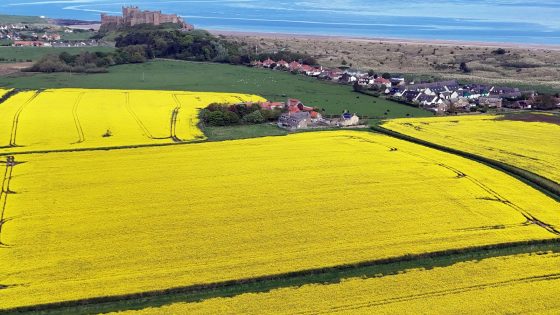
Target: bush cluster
89 62
226 115
197 45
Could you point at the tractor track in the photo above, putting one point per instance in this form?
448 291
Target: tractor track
81 136
137 119
436 293
494 195
8 172
15 122
174 117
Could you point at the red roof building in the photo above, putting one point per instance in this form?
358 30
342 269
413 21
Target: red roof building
295 105
294 65
381 80
268 63
20 43
272 105
283 63
306 68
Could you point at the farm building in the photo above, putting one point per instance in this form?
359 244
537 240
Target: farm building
294 120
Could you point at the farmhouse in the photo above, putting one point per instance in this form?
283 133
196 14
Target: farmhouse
492 102
294 120
347 120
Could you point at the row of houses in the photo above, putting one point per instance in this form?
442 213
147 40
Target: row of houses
336 75
33 40
439 97
86 43
346 76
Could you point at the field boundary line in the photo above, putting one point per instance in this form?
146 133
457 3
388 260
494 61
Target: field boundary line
543 184
122 147
437 293
8 95
284 278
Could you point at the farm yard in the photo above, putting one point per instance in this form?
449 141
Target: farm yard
207 213
67 119
527 141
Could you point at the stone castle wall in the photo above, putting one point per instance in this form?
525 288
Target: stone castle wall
133 16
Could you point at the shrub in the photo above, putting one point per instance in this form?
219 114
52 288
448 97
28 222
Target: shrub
216 118
464 67
271 115
231 118
255 117
499 51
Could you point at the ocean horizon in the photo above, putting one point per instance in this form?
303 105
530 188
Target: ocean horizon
506 21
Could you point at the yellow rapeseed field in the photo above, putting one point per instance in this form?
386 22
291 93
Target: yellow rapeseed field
9 110
64 119
518 284
534 146
3 91
88 224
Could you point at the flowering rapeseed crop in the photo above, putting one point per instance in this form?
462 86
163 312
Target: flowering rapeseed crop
4 91
9 110
87 224
80 118
506 285
534 146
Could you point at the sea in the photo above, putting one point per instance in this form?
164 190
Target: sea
496 21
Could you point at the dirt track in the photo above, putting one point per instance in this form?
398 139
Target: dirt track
9 68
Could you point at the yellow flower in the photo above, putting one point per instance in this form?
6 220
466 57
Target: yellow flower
101 223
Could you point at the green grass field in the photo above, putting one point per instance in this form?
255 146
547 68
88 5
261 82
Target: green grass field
178 75
22 54
242 132
77 36
22 19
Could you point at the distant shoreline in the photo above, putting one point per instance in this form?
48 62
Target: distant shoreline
389 40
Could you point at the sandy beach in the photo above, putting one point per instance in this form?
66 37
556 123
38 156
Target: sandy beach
387 40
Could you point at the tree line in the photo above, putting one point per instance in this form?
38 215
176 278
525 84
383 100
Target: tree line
140 44
226 115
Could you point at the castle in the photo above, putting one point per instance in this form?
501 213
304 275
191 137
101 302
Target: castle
133 16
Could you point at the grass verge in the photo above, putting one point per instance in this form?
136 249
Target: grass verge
242 132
